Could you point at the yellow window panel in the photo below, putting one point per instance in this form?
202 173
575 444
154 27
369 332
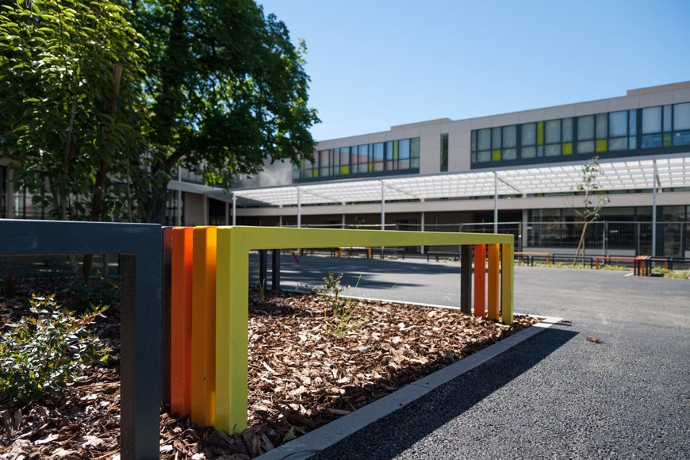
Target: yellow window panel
602 145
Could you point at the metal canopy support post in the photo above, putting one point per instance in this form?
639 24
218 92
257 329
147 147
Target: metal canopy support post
234 209
421 250
655 180
383 206
299 207
495 202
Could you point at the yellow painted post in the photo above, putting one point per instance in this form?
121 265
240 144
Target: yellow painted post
232 284
203 326
493 293
507 283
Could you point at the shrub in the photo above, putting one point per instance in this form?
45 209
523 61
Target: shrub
41 353
340 311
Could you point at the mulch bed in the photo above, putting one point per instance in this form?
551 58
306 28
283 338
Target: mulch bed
306 369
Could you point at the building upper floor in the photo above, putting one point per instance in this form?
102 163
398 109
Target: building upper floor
646 121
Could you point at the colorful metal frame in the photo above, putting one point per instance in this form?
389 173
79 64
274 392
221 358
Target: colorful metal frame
232 284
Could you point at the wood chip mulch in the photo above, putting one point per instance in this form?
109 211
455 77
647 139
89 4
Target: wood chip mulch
304 371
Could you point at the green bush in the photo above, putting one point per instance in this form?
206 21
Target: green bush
43 352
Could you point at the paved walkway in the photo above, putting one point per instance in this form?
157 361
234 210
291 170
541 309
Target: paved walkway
556 395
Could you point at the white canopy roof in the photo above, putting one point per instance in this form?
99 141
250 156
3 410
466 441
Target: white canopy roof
673 171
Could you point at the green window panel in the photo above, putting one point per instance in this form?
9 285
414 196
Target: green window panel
315 173
344 170
568 148
371 167
395 150
540 133
496 155
602 145
668 139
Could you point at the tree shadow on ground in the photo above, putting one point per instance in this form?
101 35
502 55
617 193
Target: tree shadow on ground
397 432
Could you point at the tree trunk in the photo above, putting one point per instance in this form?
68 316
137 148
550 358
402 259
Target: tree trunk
581 244
155 208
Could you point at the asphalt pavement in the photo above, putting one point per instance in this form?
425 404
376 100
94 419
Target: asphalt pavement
611 382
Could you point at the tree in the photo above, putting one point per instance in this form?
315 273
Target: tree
70 84
227 92
592 201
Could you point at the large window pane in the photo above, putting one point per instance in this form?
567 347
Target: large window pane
585 147
585 127
620 143
484 139
651 120
602 126
552 150
414 147
362 155
528 152
567 130
553 132
510 154
496 138
404 152
529 134
667 118
618 124
632 128
681 117
509 136
378 151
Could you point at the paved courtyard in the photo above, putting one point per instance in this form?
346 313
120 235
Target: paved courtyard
556 395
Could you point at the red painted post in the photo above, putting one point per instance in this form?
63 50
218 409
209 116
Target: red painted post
479 279
181 321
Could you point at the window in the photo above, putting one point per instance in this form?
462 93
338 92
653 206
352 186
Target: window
378 156
510 142
618 130
651 127
585 134
552 138
681 124
444 152
415 151
528 133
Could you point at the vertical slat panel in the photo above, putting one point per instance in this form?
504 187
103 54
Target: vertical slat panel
494 285
203 326
507 283
479 279
466 278
181 321
231 332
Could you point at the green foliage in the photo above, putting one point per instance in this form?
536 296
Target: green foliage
41 354
227 91
70 81
341 310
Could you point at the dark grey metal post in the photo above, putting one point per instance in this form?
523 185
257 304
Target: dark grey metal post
263 268
165 314
140 324
466 278
275 270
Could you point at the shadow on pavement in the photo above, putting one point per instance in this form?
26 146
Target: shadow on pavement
397 432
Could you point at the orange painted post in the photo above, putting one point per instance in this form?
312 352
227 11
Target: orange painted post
181 322
479 279
494 284
204 327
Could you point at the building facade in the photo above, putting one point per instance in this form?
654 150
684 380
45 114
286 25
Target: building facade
645 124
641 127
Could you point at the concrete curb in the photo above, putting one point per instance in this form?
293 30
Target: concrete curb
321 438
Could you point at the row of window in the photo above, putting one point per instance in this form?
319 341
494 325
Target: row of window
652 127
380 157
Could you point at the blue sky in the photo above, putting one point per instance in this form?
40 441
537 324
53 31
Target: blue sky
378 63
